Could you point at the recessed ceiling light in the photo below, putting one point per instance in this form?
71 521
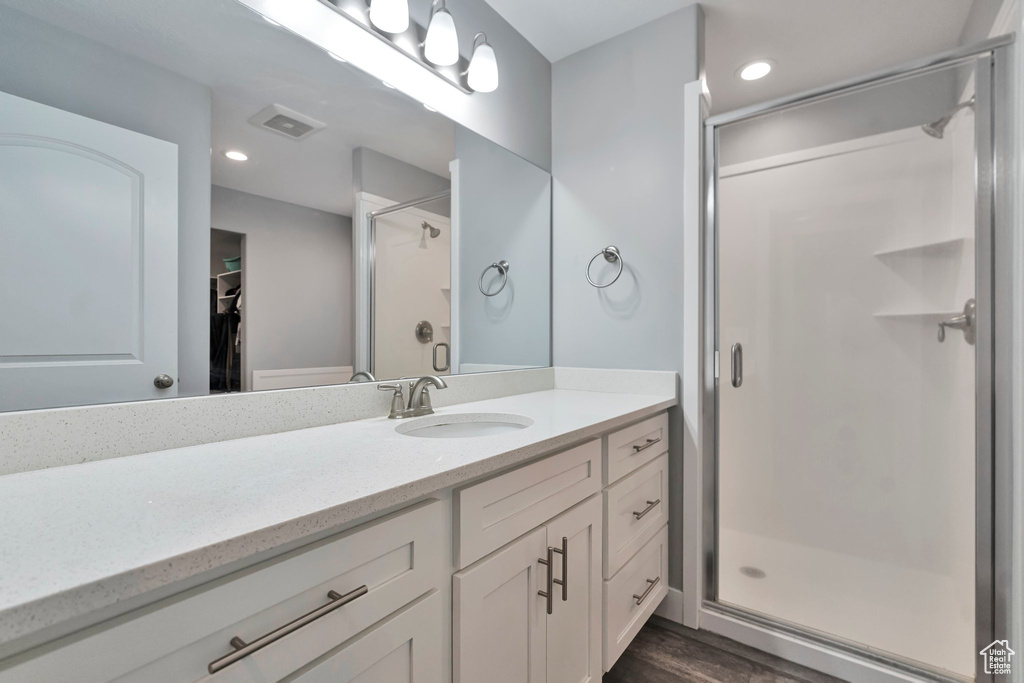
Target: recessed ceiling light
334 56
235 155
388 85
755 70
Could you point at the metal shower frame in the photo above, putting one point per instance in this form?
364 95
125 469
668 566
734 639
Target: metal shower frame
994 225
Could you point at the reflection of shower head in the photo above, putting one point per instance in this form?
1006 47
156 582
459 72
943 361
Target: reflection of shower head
434 232
937 128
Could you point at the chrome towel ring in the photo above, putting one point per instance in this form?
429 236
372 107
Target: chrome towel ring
611 255
502 267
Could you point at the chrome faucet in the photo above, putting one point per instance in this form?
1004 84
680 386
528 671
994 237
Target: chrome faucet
419 397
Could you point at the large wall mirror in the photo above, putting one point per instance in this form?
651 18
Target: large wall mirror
194 200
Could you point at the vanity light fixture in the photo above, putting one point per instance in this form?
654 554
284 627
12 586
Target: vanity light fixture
482 74
434 48
235 155
755 70
391 16
441 46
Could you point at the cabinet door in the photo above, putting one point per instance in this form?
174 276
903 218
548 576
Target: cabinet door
574 627
406 648
499 618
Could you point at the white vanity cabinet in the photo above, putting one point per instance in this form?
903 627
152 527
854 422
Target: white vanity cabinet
503 631
531 610
373 590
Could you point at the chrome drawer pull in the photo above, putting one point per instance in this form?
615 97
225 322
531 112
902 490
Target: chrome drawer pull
243 649
651 584
650 442
548 562
651 504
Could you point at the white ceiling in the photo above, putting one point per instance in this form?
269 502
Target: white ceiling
813 42
248 64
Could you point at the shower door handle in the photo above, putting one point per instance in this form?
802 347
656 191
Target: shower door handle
447 357
737 365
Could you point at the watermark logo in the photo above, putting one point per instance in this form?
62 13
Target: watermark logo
998 657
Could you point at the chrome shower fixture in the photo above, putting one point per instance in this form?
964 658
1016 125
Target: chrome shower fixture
434 232
937 128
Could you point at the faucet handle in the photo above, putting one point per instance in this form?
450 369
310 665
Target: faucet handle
397 400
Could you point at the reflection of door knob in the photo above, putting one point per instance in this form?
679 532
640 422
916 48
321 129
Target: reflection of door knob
964 321
163 381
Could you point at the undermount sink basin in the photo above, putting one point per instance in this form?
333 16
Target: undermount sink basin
464 425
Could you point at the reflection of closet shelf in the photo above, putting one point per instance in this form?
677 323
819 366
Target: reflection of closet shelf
925 249
910 315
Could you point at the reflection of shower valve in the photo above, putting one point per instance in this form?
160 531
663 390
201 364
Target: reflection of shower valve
964 321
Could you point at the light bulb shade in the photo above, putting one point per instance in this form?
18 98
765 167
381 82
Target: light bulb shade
442 44
482 75
391 16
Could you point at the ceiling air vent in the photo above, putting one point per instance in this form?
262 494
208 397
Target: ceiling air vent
284 121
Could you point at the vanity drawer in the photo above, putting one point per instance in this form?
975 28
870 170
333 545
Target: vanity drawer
631 597
635 446
499 510
406 648
397 558
634 509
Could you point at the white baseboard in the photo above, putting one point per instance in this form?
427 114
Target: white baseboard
671 607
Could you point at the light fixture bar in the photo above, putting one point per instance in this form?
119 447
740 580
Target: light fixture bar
455 79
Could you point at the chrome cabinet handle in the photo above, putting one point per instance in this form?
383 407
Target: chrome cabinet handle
651 504
447 357
737 365
643 447
551 581
548 594
244 649
651 583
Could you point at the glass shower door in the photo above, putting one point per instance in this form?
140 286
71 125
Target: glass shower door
846 331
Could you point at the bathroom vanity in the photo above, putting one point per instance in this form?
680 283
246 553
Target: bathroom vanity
354 551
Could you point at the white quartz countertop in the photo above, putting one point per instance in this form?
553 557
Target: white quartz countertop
79 538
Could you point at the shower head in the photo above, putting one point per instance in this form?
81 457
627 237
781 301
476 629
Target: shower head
434 232
937 128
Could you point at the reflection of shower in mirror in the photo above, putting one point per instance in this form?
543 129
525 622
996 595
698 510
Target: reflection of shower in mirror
434 232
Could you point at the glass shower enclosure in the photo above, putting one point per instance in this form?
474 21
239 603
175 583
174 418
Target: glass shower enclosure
852 243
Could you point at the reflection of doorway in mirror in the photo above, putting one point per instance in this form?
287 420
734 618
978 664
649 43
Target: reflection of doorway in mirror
226 329
412 285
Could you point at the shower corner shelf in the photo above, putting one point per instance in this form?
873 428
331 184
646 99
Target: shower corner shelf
936 248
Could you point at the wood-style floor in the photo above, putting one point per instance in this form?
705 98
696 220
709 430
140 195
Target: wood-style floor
664 652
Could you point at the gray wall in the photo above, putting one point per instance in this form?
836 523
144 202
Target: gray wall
617 160
297 275
517 115
42 63
388 177
504 213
